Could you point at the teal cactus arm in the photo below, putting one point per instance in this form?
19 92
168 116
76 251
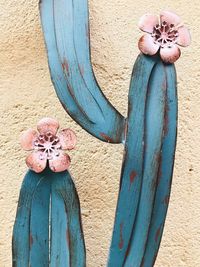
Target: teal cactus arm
60 246
132 169
31 236
154 125
39 223
79 94
64 189
166 170
21 231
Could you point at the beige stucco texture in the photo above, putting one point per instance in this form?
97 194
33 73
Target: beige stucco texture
27 94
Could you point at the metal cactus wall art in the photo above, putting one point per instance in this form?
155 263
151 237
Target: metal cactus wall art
48 229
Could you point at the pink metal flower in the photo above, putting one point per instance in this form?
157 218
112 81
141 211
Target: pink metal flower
164 34
48 146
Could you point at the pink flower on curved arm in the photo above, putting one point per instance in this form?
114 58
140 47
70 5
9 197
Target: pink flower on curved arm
48 146
163 34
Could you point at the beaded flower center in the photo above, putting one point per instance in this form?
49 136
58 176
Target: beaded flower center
165 34
48 145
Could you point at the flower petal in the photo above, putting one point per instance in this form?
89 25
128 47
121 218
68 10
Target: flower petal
60 163
147 46
67 139
147 22
170 18
27 139
48 125
170 54
35 163
184 38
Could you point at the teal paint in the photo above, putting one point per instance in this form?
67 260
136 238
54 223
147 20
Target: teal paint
79 93
166 170
31 235
39 224
21 230
154 124
132 169
60 247
64 187
149 136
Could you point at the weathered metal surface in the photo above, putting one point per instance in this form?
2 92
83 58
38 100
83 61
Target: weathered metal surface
39 223
60 246
21 232
148 160
132 169
154 124
147 117
71 70
63 187
34 228
166 170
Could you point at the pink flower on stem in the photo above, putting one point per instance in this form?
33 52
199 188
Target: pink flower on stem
164 34
48 146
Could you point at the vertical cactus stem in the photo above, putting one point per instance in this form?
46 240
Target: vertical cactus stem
166 170
154 125
65 191
39 223
132 168
80 95
60 245
33 244
22 238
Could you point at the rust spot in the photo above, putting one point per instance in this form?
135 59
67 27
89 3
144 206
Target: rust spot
128 250
132 176
166 200
130 107
30 240
126 130
69 87
159 161
157 234
166 120
106 138
121 243
65 66
68 237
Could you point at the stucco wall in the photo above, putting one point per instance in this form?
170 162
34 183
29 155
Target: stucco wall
26 95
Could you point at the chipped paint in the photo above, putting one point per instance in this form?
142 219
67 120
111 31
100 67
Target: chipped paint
157 234
121 242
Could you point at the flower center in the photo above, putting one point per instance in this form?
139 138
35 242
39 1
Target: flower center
165 34
48 145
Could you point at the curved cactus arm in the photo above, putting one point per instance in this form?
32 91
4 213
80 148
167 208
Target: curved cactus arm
64 187
166 170
83 54
63 20
39 223
21 231
56 71
81 98
131 176
154 125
